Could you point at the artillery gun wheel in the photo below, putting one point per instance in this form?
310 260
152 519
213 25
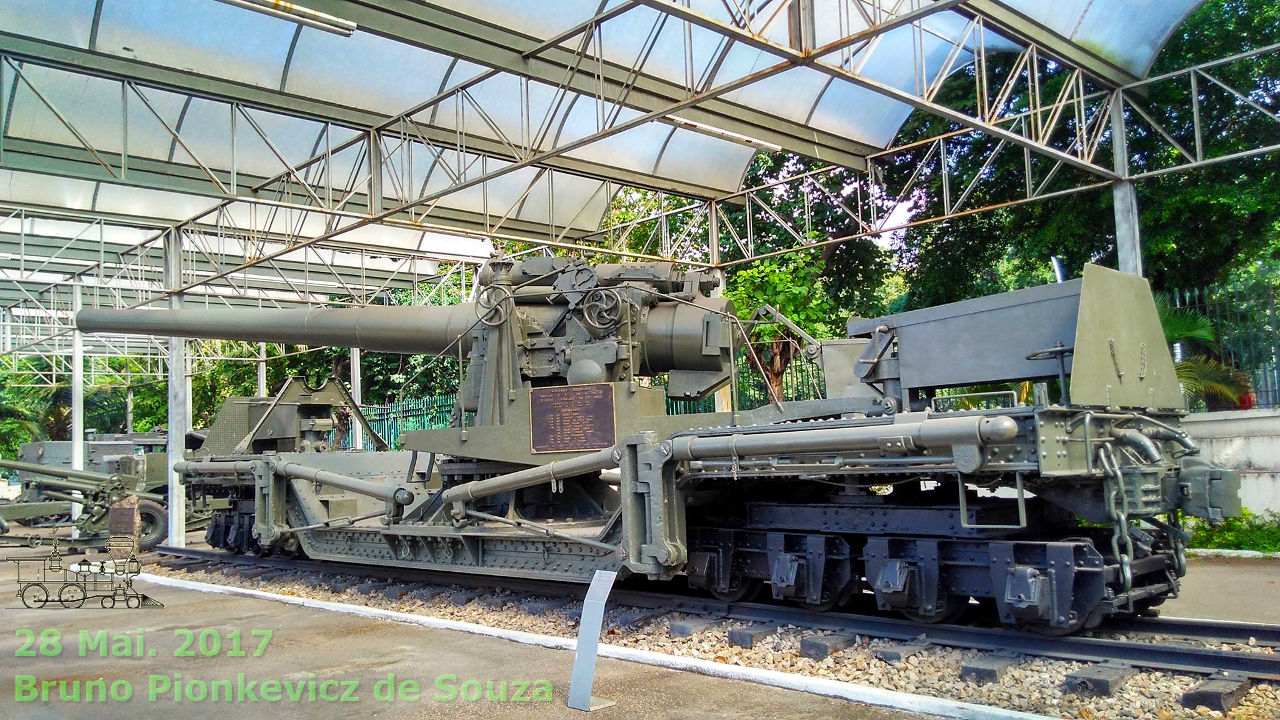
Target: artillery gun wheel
35 595
71 596
154 521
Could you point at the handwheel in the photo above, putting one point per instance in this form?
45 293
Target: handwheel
35 595
71 596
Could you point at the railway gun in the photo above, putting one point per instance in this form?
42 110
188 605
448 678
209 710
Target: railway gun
1056 510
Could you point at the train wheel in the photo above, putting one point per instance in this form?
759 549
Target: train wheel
829 602
35 595
71 596
745 590
108 602
154 519
1044 628
949 608
133 601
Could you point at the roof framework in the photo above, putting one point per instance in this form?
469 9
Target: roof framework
284 165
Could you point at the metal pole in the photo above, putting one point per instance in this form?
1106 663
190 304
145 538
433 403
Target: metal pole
179 409
1124 195
262 369
357 432
77 402
128 409
723 397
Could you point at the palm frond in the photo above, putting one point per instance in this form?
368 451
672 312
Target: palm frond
1186 325
1205 377
11 411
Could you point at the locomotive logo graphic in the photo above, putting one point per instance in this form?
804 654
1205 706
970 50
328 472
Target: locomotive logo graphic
48 581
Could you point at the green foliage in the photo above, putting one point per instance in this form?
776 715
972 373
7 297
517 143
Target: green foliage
854 272
1247 532
1182 325
1196 227
1202 376
794 285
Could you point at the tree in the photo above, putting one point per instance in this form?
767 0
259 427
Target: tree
796 286
1196 226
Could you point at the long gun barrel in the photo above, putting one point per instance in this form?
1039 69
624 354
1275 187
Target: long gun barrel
56 472
408 330
84 481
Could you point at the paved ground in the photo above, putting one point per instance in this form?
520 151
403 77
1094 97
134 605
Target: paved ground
317 645
1229 589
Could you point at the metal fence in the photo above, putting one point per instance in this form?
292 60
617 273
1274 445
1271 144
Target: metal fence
802 380
392 419
1247 322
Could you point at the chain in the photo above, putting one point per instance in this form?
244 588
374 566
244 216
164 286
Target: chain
1119 518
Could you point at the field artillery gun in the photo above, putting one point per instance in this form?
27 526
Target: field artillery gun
899 484
102 453
98 492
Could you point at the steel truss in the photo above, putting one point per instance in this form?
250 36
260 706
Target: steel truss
286 228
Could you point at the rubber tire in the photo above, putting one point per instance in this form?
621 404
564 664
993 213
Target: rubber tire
149 538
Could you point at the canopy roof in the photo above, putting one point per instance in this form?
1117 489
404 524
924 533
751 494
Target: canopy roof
366 136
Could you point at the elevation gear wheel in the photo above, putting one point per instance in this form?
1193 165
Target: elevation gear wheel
602 308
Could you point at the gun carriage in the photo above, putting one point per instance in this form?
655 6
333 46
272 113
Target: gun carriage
562 460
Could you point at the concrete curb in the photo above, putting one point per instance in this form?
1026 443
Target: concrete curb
923 704
1210 552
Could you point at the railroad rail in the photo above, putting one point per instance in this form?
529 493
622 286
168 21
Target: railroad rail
1175 656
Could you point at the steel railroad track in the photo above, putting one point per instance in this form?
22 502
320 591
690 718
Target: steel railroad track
1175 657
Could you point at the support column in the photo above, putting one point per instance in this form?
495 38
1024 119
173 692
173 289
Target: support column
1124 196
357 432
179 413
724 396
128 409
6 331
262 369
77 402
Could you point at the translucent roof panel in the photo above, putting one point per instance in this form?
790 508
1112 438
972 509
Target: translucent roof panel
387 70
87 195
1129 33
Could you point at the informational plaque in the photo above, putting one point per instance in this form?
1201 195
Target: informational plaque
568 418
